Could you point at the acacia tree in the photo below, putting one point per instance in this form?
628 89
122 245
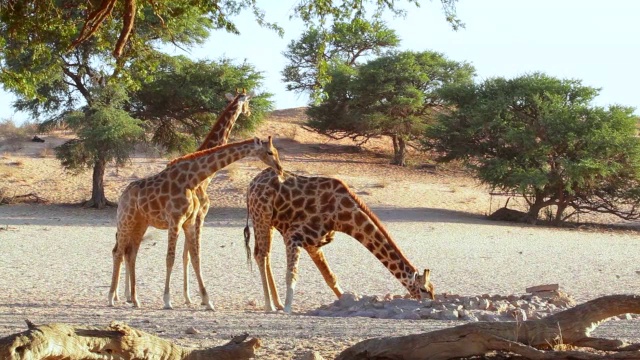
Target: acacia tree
183 100
53 80
395 95
345 43
541 137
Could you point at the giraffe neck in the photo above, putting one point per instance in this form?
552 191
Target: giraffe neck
365 227
219 133
200 165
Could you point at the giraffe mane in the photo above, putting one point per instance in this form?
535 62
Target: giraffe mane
211 133
378 224
201 153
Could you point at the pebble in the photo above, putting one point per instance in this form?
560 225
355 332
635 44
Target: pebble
483 307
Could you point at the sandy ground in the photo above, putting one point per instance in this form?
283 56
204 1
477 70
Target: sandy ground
56 259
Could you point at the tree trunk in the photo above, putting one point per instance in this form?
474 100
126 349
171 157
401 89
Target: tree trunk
534 209
552 337
98 199
399 151
394 139
559 212
117 341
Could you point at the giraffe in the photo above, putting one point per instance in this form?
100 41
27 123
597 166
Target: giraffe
307 211
167 200
218 135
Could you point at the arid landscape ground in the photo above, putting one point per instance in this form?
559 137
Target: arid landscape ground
56 260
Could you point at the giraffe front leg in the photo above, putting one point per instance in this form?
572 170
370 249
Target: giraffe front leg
317 255
185 274
171 257
293 256
272 284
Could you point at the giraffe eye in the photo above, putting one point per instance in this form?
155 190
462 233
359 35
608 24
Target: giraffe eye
269 153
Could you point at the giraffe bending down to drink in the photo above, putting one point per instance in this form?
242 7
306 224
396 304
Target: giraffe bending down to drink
168 200
218 135
307 211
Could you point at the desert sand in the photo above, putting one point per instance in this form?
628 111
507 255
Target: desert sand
56 257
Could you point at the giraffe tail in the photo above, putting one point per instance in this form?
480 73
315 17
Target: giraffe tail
247 239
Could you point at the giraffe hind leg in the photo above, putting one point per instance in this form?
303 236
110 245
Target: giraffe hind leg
261 253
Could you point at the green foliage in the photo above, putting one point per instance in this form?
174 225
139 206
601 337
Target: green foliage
540 136
393 95
346 43
105 133
184 99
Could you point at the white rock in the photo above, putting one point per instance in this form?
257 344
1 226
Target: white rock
310 355
450 314
347 300
428 313
192 331
484 304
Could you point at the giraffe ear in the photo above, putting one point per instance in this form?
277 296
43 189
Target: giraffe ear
229 96
257 141
244 91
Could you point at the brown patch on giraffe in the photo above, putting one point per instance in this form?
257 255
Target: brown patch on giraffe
359 218
369 228
348 229
344 216
298 202
346 203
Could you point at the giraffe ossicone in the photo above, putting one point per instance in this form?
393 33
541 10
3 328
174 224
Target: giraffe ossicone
168 201
307 211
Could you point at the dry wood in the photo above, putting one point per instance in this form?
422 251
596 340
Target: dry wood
30 197
117 341
533 339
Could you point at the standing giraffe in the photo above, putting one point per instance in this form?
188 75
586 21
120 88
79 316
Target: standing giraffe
307 211
168 200
218 135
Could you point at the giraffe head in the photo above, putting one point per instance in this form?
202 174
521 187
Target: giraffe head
266 152
420 287
242 98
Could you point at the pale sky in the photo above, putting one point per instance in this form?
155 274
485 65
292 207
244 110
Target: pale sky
596 41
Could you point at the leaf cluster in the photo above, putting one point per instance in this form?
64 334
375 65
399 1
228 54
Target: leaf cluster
394 95
540 136
104 131
183 100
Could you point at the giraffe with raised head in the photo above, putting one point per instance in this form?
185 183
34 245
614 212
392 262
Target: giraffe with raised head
307 211
167 200
218 135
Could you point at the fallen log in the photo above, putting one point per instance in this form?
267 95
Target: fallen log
117 341
565 335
